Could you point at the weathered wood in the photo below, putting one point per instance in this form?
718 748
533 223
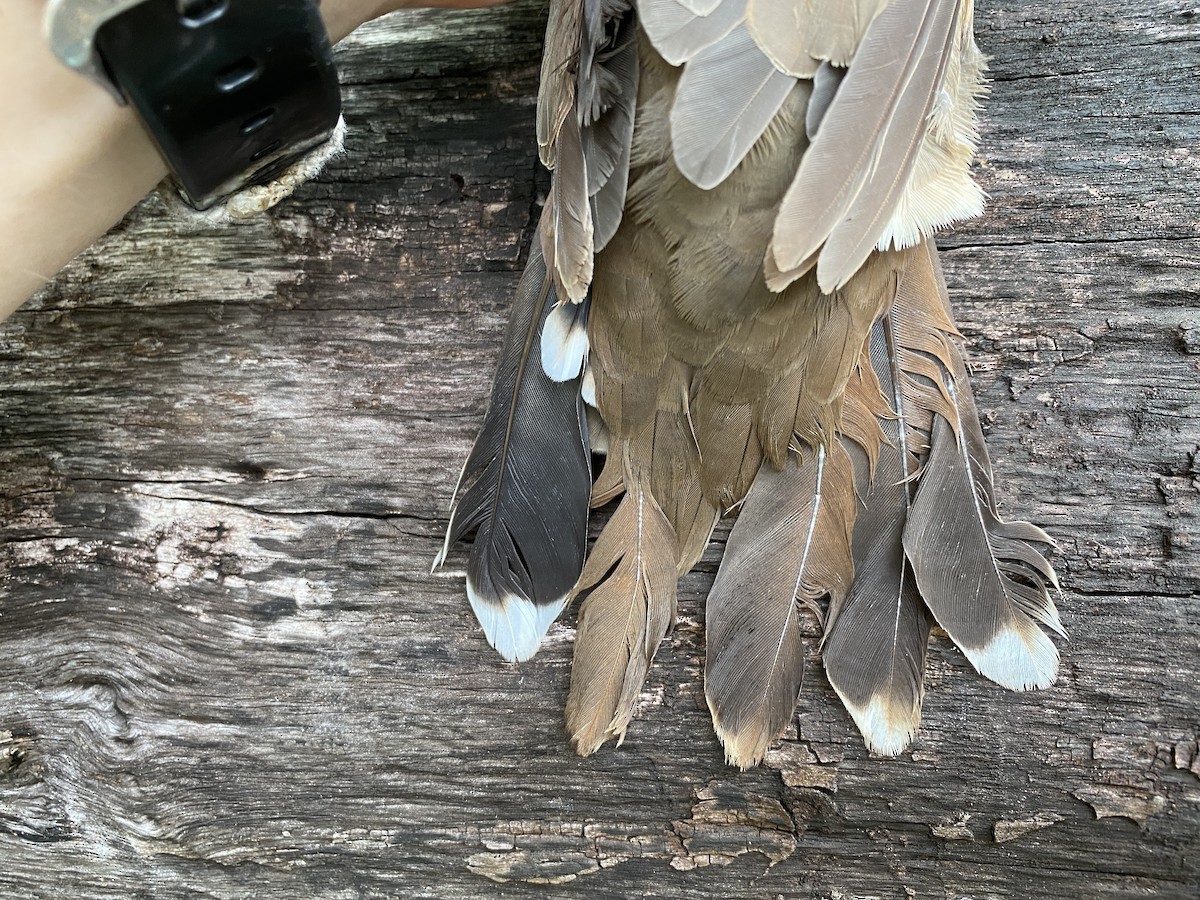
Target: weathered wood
226 456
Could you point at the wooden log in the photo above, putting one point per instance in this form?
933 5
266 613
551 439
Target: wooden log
226 455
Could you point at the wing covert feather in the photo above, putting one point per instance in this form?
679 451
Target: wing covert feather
726 98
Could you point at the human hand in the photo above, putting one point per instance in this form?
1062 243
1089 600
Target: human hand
72 162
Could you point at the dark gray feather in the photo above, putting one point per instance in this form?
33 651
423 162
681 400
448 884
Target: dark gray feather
826 81
526 485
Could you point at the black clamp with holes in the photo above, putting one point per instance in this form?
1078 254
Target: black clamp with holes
231 91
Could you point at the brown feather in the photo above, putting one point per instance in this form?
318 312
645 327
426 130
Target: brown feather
610 484
556 92
791 543
730 454
631 575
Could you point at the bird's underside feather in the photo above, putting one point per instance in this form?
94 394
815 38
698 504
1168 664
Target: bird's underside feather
739 278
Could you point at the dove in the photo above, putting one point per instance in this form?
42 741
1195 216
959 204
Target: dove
735 298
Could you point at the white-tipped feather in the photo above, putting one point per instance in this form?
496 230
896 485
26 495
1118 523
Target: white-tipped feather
564 342
587 388
515 627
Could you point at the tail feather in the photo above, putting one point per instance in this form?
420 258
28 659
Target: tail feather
791 543
985 593
526 485
982 578
632 579
875 642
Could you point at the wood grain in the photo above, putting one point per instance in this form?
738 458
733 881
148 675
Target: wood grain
225 461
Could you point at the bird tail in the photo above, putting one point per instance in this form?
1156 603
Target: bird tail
922 543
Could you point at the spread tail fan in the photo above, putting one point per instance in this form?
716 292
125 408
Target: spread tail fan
526 485
733 274
791 543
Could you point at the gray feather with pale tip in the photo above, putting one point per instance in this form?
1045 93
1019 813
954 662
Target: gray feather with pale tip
526 485
875 642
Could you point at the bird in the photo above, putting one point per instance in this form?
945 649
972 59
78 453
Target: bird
734 298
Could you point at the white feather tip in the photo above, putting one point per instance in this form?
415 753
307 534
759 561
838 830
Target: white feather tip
514 626
887 729
1018 658
564 343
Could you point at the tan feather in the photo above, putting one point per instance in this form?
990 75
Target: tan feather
556 91
730 454
666 447
610 484
864 406
797 34
571 214
631 575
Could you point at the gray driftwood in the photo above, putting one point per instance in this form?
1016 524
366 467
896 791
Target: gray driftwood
225 461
